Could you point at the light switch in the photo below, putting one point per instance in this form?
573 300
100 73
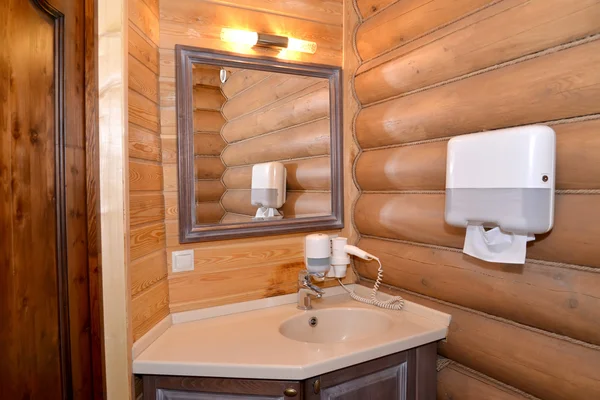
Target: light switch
183 260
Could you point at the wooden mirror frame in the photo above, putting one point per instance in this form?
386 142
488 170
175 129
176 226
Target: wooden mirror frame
189 232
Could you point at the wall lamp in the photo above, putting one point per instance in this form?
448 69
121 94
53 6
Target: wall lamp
266 40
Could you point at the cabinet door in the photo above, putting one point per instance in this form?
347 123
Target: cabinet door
167 394
387 384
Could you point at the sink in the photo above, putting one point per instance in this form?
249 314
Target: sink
335 325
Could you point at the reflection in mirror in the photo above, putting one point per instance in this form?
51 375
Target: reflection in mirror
260 137
251 128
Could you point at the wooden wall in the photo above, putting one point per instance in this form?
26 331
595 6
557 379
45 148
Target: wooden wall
234 270
278 117
208 144
148 264
430 70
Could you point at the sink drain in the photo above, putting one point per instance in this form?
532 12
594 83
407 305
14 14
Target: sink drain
313 321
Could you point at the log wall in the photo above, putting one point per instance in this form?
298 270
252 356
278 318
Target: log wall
277 117
238 270
148 261
431 70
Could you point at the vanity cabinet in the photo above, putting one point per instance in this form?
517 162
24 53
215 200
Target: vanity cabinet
408 375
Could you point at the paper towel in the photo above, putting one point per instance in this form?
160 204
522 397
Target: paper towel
496 245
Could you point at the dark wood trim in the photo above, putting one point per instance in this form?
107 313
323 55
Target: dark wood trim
189 231
62 265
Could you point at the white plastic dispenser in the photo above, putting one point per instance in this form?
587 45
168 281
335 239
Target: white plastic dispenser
317 251
503 180
268 189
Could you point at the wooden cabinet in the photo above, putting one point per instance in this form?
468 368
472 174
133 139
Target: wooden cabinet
409 375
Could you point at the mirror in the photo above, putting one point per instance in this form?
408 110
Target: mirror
259 146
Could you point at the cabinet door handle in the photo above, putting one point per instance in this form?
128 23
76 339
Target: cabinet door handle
290 392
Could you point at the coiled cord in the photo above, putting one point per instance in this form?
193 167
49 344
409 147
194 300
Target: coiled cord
395 303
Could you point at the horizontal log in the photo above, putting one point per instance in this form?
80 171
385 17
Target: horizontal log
370 7
206 75
208 144
420 218
141 15
297 204
143 144
208 98
209 213
559 85
147 271
142 79
208 121
184 22
146 207
508 30
423 167
146 239
240 80
551 298
145 176
231 218
306 174
148 308
209 190
407 20
311 139
208 168
458 382
265 92
142 49
304 106
142 111
548 367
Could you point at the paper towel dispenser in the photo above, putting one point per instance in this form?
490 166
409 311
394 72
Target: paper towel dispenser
501 179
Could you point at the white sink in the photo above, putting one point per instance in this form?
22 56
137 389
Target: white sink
335 325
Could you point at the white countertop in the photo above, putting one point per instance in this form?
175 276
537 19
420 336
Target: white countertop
248 344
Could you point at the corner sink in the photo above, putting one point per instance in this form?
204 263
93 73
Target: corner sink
335 325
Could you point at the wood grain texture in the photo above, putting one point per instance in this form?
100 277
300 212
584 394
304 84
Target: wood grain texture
144 144
142 79
208 168
209 212
149 308
146 239
232 218
208 121
509 30
209 190
306 105
569 86
145 176
301 141
146 207
142 111
306 174
208 144
198 23
420 218
142 49
457 382
243 79
406 20
557 300
370 7
423 167
206 75
297 204
257 96
208 98
144 19
148 270
511 354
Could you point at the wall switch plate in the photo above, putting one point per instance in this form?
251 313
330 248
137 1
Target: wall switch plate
183 260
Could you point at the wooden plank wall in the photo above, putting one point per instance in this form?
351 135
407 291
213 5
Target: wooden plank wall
148 264
208 143
430 70
277 117
234 270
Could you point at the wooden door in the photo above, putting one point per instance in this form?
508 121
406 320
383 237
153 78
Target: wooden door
45 320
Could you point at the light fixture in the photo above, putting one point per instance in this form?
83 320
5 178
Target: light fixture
266 40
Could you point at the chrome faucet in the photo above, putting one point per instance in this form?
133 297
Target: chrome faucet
306 289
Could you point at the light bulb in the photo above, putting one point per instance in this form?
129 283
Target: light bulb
303 46
239 36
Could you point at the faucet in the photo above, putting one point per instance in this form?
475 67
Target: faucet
306 289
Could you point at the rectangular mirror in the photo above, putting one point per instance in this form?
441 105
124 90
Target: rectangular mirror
259 146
